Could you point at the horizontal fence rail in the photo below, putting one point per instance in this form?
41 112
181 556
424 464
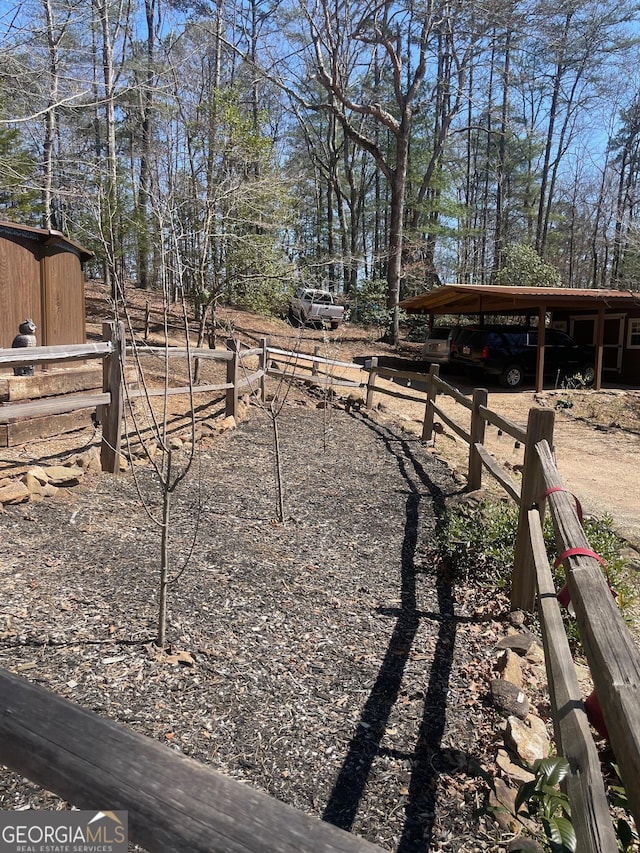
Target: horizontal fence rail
173 802
52 355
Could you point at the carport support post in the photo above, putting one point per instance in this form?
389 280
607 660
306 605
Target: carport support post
111 415
597 385
478 423
372 382
542 320
231 401
427 426
523 581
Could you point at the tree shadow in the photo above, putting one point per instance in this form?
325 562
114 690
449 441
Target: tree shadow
426 761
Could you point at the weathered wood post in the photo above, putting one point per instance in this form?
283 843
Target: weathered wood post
147 318
262 366
432 391
231 401
523 582
314 364
371 383
112 378
478 424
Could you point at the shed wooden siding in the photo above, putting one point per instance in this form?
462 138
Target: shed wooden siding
63 299
41 277
19 288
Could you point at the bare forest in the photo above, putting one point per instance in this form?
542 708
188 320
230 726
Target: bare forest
232 150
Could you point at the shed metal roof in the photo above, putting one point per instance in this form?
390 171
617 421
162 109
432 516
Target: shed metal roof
497 299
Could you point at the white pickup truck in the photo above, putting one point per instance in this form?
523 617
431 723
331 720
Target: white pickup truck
315 306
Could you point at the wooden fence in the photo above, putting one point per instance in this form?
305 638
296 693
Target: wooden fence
612 655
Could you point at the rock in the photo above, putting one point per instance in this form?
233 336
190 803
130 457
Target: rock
517 618
176 443
528 739
226 424
535 654
504 798
34 485
89 460
514 771
39 474
509 699
509 668
49 490
64 475
520 642
14 493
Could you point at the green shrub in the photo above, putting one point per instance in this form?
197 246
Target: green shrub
477 540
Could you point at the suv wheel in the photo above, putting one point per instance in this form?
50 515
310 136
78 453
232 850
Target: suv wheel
589 374
512 376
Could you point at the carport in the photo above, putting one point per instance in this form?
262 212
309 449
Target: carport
560 302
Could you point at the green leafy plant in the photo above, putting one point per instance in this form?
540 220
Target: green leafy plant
545 802
628 838
477 541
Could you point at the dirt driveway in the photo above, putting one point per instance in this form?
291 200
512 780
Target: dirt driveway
599 464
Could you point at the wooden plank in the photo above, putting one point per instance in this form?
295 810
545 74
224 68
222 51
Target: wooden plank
614 659
427 423
444 388
303 356
10 413
318 380
523 580
399 394
110 415
180 352
134 393
392 373
474 471
53 384
174 802
251 382
509 485
515 430
51 355
590 814
452 424
13 434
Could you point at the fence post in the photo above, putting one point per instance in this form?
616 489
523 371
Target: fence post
432 391
371 382
231 402
111 415
262 365
147 318
478 423
523 581
314 364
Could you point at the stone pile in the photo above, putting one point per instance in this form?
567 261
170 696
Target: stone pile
39 482
519 669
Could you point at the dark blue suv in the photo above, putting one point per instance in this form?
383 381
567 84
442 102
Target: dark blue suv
510 352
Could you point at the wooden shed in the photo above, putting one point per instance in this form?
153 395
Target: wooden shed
608 319
41 277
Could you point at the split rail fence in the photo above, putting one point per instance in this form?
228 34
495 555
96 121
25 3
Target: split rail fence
234 818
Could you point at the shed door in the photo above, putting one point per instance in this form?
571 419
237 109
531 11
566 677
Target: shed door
583 330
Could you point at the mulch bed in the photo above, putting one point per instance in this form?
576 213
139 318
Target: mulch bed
335 666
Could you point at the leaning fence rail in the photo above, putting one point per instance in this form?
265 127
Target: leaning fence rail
611 652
